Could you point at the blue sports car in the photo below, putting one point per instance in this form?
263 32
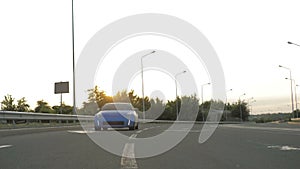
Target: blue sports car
116 115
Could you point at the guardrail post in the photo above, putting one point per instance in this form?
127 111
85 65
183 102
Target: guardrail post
14 124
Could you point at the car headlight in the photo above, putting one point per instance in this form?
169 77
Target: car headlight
99 115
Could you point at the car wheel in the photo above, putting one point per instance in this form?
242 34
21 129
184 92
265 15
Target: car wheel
104 129
137 126
131 127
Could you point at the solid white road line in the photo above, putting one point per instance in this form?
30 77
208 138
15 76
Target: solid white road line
261 128
128 158
189 131
5 146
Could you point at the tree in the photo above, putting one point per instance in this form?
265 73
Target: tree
239 107
22 105
98 96
296 113
156 110
135 100
8 103
121 97
189 108
43 107
64 109
203 110
96 100
170 111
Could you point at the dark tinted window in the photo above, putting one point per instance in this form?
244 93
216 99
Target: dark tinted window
117 106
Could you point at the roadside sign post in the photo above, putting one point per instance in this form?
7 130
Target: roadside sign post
60 88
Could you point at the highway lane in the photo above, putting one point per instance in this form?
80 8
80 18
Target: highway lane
231 146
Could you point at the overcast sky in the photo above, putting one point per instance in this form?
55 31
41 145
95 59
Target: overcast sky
250 38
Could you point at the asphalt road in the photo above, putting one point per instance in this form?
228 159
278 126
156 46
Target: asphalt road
250 146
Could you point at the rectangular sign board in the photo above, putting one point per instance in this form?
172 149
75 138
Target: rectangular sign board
61 87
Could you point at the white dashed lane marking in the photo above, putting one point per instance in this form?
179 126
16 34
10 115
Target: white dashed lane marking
128 158
285 148
138 132
81 131
133 136
5 146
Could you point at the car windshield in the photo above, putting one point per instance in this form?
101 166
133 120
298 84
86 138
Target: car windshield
117 106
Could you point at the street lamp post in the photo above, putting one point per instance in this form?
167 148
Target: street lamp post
251 105
73 56
175 79
142 74
292 99
241 113
296 100
202 99
226 103
250 100
295 89
291 43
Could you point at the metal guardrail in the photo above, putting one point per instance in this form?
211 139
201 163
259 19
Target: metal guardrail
14 116
10 115
194 122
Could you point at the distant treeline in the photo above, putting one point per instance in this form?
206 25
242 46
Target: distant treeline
8 104
155 108
271 117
